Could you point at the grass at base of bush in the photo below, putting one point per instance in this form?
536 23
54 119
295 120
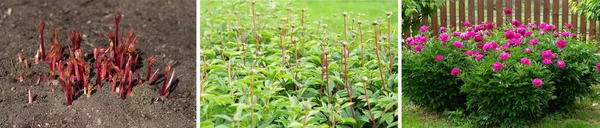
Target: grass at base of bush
583 115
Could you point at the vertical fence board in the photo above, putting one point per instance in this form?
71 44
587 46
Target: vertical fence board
499 13
480 6
565 12
593 29
472 9
527 11
452 13
509 5
434 23
461 13
574 18
490 10
518 10
443 15
583 28
547 11
536 11
555 16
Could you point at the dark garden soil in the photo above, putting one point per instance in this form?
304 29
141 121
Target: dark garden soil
166 28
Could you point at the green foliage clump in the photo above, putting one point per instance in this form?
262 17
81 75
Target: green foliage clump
510 76
413 11
269 66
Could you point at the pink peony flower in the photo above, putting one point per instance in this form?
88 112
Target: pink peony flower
515 23
410 41
546 54
598 66
569 25
533 42
458 44
507 11
549 27
561 43
480 45
469 53
438 58
476 52
418 48
490 45
527 33
456 33
528 50
525 61
509 34
555 34
464 36
565 34
497 66
479 56
444 37
547 61
442 29
560 64
467 23
504 56
542 25
521 30
574 35
455 71
478 38
537 82
532 25
424 28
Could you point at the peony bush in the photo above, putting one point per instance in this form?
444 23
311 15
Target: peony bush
508 76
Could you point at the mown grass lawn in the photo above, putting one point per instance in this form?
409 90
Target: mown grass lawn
585 115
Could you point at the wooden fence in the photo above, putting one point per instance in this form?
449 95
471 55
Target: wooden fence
527 11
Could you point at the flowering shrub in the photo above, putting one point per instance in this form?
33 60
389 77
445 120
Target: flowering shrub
508 76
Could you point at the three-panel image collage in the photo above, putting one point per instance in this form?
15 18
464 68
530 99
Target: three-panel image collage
299 63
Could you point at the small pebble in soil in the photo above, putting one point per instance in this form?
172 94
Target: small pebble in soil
9 11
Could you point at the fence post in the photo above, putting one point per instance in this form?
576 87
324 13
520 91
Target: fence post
527 12
565 12
555 16
472 12
518 10
453 13
508 5
443 15
499 13
490 10
461 13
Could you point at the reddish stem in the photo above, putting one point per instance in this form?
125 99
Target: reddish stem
150 62
378 60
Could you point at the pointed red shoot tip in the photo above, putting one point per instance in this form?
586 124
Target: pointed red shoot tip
30 96
20 58
20 77
26 64
152 77
118 17
41 26
38 80
36 58
169 84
